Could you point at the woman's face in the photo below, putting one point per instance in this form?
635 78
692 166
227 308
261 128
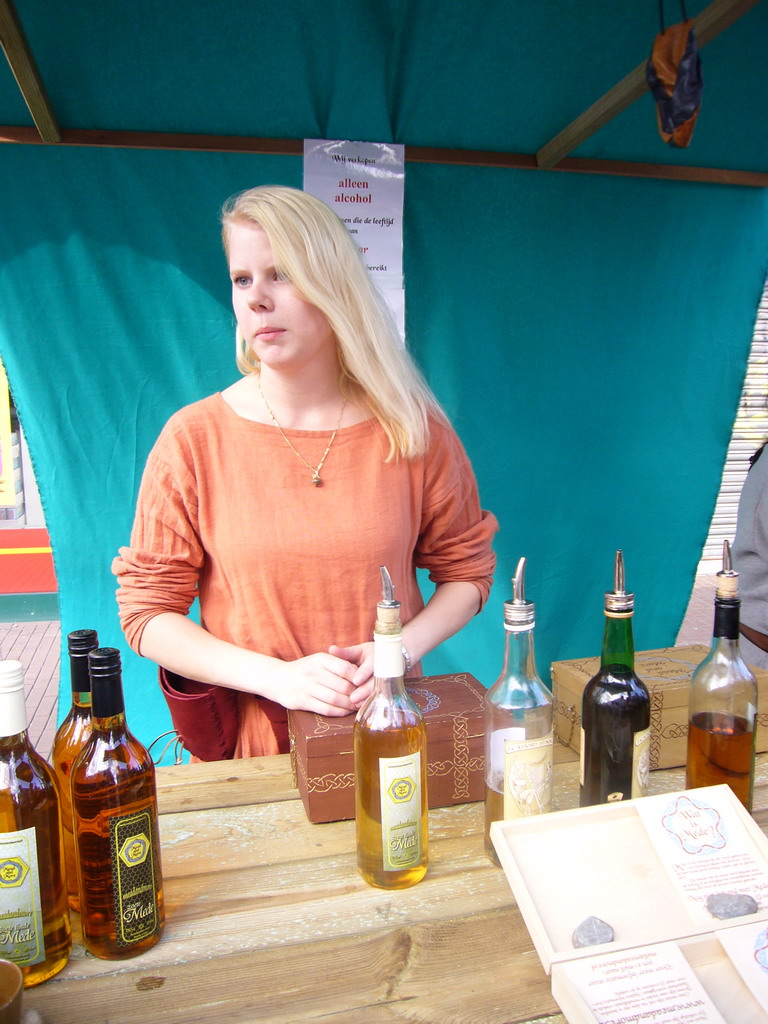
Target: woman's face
285 331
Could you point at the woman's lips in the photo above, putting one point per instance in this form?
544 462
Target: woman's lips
268 333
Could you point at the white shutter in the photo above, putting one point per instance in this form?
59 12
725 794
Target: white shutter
750 429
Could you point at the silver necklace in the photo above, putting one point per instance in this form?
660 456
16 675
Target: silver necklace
314 470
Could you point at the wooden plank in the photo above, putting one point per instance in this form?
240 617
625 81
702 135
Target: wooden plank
25 72
713 20
413 154
476 970
224 784
268 920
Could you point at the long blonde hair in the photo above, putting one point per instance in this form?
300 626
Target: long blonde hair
315 252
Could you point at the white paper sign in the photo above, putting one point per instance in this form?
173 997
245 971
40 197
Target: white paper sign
747 948
704 848
364 183
655 983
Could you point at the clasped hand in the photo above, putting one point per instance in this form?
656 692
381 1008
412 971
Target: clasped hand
334 683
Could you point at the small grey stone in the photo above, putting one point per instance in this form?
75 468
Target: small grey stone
730 904
591 932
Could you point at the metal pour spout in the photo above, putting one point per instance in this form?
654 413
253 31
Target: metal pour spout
518 612
618 599
518 583
387 587
388 609
727 578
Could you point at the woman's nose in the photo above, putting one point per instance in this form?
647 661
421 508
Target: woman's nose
259 297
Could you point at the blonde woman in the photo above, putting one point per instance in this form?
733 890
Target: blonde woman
276 500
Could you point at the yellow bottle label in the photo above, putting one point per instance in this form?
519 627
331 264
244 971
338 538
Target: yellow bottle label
527 777
400 789
641 762
133 873
21 920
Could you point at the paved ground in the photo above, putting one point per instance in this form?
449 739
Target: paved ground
37 646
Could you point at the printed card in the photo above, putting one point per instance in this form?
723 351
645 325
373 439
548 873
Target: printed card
747 948
705 849
653 984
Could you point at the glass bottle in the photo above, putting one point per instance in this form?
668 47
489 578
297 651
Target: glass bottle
518 724
114 801
69 740
722 704
615 710
34 914
390 756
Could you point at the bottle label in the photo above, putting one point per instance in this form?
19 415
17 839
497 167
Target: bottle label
400 789
641 762
133 876
527 777
21 919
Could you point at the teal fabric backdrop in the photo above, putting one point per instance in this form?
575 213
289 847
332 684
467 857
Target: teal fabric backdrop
587 335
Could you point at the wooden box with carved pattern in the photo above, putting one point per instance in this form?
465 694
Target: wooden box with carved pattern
667 674
452 705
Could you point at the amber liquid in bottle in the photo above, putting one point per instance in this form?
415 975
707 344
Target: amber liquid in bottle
30 823
723 702
401 737
390 756
69 741
115 812
720 749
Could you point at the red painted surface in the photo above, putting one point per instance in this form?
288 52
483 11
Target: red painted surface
23 571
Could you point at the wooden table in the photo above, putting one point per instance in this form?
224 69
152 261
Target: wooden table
268 920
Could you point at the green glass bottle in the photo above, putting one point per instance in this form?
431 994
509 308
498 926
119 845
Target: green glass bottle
615 710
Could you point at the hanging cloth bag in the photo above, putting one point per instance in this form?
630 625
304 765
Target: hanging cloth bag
673 73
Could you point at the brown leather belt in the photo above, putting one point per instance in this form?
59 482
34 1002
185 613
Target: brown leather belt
758 639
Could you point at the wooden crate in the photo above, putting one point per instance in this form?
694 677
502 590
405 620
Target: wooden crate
667 674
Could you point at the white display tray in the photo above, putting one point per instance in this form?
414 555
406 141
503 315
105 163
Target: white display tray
645 867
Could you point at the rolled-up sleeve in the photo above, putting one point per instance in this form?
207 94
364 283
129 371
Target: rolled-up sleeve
456 537
159 571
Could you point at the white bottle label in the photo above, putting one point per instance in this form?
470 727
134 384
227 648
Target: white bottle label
527 777
400 789
21 920
641 762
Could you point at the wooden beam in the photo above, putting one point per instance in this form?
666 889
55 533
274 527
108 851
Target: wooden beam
413 154
25 72
713 20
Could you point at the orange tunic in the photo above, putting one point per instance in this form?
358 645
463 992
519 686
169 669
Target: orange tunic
227 513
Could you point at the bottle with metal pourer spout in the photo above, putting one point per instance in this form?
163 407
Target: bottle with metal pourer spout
722 705
390 755
615 710
518 724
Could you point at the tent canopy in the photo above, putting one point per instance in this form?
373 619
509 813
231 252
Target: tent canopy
587 332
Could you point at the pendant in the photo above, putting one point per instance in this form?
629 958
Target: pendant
316 479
